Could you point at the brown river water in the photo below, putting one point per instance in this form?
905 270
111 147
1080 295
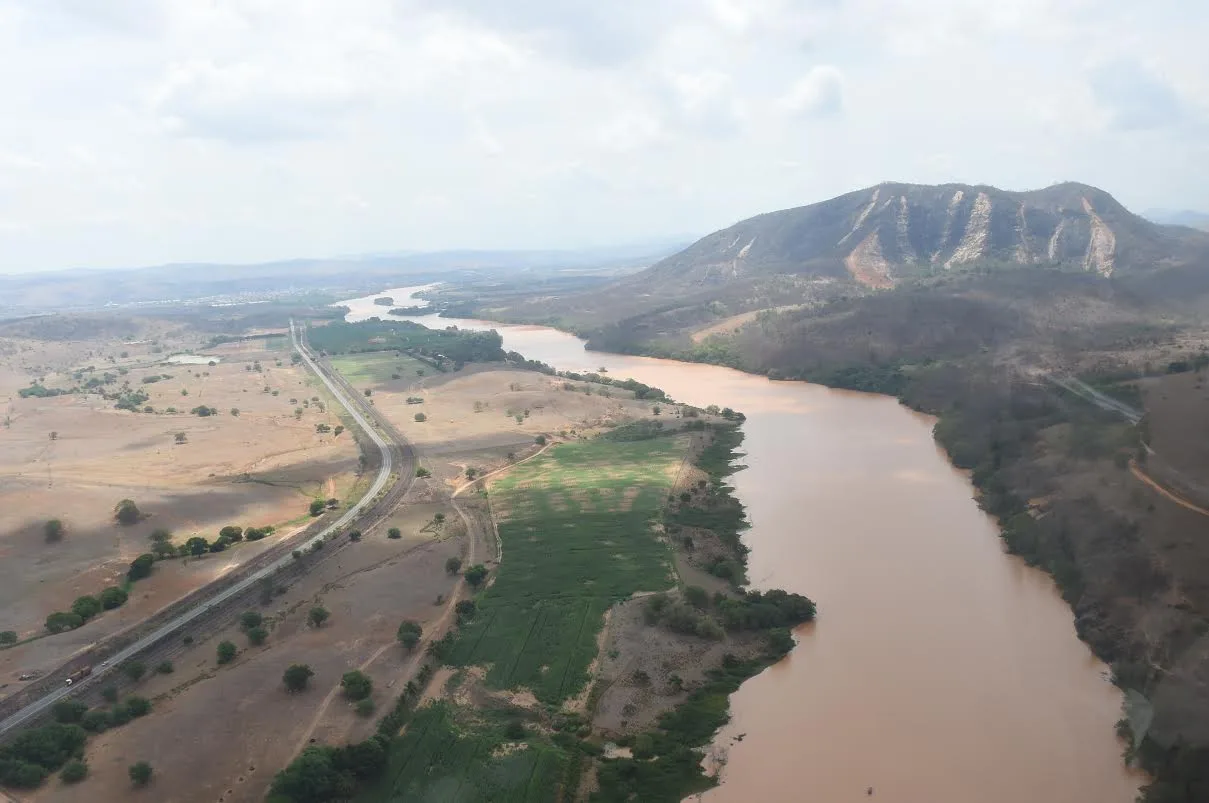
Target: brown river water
940 669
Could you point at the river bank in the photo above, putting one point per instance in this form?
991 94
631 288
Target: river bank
930 631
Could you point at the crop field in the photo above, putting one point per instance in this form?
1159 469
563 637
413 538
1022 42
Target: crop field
454 754
371 367
576 530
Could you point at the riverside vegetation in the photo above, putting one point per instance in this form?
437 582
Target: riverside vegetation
580 527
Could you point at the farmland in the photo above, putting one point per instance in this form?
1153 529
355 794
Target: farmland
374 367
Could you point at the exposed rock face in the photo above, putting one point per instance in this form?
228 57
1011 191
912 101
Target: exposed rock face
892 232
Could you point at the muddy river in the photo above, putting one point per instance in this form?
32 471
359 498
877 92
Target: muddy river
940 670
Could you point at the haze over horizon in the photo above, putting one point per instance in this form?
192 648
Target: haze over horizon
141 133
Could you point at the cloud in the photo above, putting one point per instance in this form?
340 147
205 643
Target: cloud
819 93
1134 98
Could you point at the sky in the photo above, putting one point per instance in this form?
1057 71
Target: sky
138 132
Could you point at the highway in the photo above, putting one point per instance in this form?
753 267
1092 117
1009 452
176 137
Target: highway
383 478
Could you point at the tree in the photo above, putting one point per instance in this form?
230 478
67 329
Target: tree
140 773
197 546
135 670
53 530
69 712
317 507
140 567
540 440
258 636
296 677
219 545
453 565
696 596
162 550
394 532
8 637
226 652
409 634
354 535
231 533
420 418
365 707
54 436
165 667
235 411
422 472
127 512
439 518
465 609
86 607
249 620
138 706
113 597
337 430
356 684
476 574
59 621
181 437
110 694
74 771
318 616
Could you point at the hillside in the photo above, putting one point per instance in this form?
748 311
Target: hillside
873 239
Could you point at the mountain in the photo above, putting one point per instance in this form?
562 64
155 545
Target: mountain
881 235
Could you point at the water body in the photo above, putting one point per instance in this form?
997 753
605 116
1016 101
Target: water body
940 669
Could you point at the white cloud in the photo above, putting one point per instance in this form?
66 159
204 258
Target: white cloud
253 129
817 94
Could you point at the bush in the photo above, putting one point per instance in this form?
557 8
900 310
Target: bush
249 620
109 694
140 773
453 565
165 668
409 633
86 607
59 621
356 685
317 616
231 533
8 637
74 771
394 532
365 707
354 535
317 507
127 512
420 417
53 530
140 567
258 636
138 706
95 721
135 670
296 677
465 610
476 574
226 652
422 472
69 712
113 597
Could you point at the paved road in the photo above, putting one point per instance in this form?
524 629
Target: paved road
380 482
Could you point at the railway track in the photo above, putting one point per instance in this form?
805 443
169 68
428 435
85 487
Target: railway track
211 604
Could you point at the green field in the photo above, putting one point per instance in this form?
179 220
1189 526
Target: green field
576 529
374 367
576 525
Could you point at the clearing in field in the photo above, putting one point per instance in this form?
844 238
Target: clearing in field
379 366
576 525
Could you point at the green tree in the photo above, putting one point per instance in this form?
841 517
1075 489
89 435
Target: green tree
409 633
453 565
74 771
135 670
226 652
364 708
165 667
356 684
140 772
179 437
160 534
422 472
465 610
53 530
317 507
317 616
8 637
140 567
110 694
59 621
476 574
258 636
420 417
138 706
69 711
394 532
249 620
296 677
231 533
86 607
354 535
163 550
127 512
197 546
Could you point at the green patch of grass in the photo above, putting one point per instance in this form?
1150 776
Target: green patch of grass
277 343
450 753
576 529
375 367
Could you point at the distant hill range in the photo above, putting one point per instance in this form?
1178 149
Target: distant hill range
880 235
1178 217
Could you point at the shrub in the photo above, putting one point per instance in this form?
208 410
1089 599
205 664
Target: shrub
165 667
8 637
409 633
453 565
135 670
86 607
476 574
296 677
127 512
226 652
53 530
394 532
258 636
249 620
140 567
420 418
317 616
317 507
69 712
113 597
140 773
364 708
74 771
138 706
356 685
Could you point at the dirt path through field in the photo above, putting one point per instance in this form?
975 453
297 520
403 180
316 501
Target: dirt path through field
1174 497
